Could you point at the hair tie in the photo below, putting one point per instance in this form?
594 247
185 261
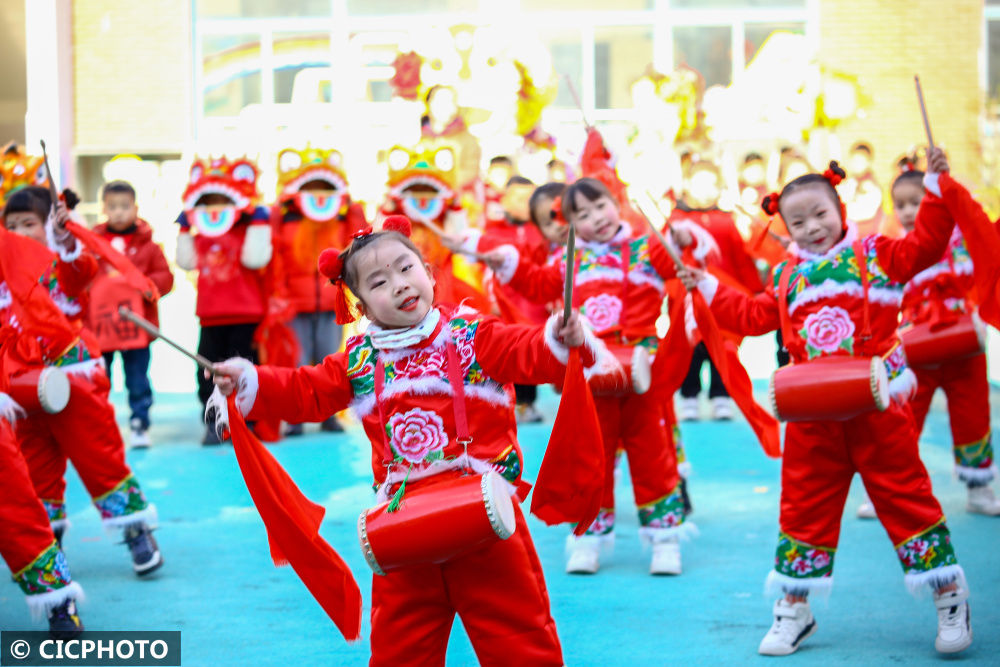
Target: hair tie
331 265
835 174
770 203
557 214
399 224
364 231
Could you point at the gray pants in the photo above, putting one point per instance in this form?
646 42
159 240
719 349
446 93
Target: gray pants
326 340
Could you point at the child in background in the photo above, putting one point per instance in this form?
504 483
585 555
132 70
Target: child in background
831 305
498 591
230 251
133 237
620 284
85 431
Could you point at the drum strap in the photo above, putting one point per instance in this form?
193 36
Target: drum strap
458 389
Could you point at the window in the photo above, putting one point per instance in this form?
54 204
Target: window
263 8
230 73
707 49
293 53
621 55
993 59
389 7
567 58
757 33
735 4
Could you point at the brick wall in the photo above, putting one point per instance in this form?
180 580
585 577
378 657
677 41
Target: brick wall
132 74
887 42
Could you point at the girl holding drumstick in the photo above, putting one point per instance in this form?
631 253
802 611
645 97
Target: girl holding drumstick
833 309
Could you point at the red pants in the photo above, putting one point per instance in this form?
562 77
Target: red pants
967 388
820 459
639 425
24 526
85 432
498 592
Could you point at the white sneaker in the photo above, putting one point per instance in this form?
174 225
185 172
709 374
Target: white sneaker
666 558
528 414
954 622
584 556
689 410
140 436
792 624
722 408
866 510
982 501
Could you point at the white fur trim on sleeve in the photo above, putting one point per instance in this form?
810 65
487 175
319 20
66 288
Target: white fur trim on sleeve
257 249
456 221
708 287
56 244
705 245
931 183
690 323
605 363
9 409
187 259
470 244
246 394
511 258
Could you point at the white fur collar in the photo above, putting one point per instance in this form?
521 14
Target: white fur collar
849 238
623 234
394 339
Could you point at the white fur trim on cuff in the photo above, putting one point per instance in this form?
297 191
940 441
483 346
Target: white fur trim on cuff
977 475
708 286
470 243
56 244
932 184
147 516
919 583
778 583
10 410
511 259
705 245
246 394
186 256
40 605
604 361
606 542
257 248
903 386
683 533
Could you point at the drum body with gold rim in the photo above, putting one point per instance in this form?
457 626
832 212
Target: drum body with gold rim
41 390
634 377
829 388
931 344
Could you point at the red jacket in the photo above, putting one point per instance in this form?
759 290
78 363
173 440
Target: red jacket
146 254
733 258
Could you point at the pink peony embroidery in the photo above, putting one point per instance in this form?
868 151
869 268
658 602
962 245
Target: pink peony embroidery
801 566
417 434
603 311
829 329
422 365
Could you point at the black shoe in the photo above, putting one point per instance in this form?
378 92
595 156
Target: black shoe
211 436
64 622
331 425
293 430
688 507
58 533
145 553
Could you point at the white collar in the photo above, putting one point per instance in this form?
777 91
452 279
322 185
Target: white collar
849 238
623 234
394 339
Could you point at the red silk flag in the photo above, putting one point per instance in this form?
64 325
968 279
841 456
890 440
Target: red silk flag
983 242
292 523
108 293
103 249
571 478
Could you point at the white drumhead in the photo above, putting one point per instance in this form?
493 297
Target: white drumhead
53 390
641 374
499 506
880 383
772 395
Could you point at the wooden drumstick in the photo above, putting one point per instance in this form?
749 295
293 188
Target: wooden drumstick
669 248
153 331
576 99
923 113
53 190
570 274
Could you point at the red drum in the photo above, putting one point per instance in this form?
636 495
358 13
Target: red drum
41 389
933 343
633 378
829 388
437 522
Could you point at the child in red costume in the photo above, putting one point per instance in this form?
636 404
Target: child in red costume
27 543
619 288
941 294
133 237
314 211
230 249
830 307
85 432
396 376
699 205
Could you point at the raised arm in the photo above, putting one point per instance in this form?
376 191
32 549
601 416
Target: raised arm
905 257
540 283
735 310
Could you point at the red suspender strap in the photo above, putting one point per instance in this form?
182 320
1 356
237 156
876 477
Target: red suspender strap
626 258
783 280
862 260
379 386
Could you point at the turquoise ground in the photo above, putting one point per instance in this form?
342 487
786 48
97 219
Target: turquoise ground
233 606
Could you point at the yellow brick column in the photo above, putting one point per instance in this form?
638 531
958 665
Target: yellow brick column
886 42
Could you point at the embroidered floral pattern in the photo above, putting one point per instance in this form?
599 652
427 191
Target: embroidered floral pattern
126 498
603 311
929 550
828 330
895 363
56 509
508 464
802 561
978 454
417 436
667 512
49 572
426 364
604 524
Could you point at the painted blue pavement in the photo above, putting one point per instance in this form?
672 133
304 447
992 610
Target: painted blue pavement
219 588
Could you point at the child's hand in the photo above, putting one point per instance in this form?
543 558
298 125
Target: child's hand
493 259
571 332
226 377
937 162
690 276
452 243
682 237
